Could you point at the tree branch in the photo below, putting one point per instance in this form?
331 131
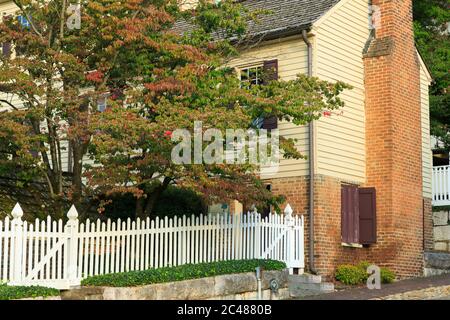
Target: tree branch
20 6
9 104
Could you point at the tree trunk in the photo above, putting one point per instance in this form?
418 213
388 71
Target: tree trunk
79 149
140 203
77 172
152 198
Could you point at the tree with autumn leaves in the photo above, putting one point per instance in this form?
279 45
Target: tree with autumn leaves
154 79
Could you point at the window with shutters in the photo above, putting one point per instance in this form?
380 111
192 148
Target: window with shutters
259 74
358 215
250 76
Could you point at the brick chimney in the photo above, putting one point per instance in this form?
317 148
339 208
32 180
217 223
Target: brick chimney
393 137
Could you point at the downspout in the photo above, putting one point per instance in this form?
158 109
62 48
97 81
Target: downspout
312 267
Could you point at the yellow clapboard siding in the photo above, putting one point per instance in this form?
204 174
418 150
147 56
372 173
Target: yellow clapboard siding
343 170
291 53
7 8
348 71
427 162
348 148
340 40
332 128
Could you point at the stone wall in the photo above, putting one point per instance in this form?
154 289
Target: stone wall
436 263
231 287
441 231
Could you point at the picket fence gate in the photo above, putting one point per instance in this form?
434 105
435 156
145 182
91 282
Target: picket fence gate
48 253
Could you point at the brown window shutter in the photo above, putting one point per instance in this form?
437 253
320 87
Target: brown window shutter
349 214
6 49
270 73
270 123
270 70
367 216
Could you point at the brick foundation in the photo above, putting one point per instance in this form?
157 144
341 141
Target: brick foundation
402 254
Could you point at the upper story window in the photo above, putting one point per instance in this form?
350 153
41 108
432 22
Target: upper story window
260 74
251 75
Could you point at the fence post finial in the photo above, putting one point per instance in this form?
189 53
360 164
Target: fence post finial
73 213
17 211
288 210
71 267
290 224
16 246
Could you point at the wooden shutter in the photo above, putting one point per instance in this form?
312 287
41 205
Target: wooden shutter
270 123
270 73
349 214
367 216
6 49
270 70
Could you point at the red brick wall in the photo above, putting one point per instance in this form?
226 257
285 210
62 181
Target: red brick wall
393 135
329 252
328 249
393 157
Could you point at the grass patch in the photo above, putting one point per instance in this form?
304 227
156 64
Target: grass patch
179 273
19 292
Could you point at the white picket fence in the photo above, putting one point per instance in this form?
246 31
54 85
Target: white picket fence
51 254
441 186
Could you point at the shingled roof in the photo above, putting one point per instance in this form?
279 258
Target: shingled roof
286 16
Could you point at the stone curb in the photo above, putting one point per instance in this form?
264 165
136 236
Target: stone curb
237 286
423 294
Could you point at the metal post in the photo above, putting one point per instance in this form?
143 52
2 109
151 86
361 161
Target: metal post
258 282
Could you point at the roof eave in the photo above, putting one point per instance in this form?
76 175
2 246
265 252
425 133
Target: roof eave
271 34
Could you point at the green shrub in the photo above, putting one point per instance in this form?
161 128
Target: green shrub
19 292
350 275
179 273
387 275
174 201
364 265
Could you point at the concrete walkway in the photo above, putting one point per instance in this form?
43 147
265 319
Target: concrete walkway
395 288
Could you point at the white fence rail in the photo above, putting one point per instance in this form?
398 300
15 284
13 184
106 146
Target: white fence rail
441 186
52 254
